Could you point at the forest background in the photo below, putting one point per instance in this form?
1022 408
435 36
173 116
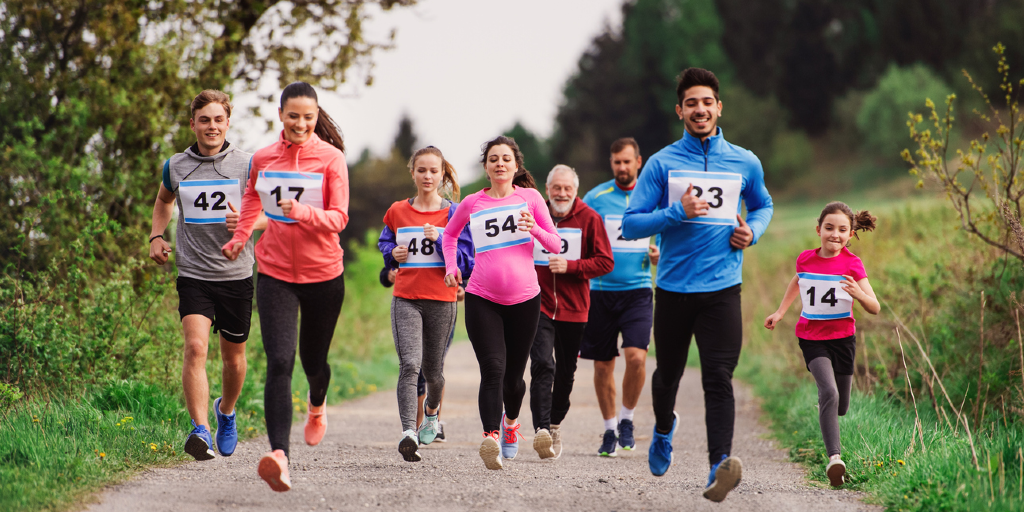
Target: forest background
93 96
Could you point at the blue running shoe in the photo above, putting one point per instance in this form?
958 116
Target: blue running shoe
607 448
659 458
725 476
199 443
509 439
626 440
227 434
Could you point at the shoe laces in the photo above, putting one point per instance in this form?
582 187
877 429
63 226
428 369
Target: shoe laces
316 418
511 433
492 434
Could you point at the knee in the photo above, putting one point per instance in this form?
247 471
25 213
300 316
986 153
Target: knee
604 369
407 369
636 361
195 348
540 367
828 396
236 362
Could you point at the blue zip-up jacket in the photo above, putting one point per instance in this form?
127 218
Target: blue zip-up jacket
632 268
466 254
695 254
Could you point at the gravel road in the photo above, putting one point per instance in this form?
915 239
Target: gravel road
358 467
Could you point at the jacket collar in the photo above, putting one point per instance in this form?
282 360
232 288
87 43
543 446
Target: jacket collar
312 141
711 146
193 152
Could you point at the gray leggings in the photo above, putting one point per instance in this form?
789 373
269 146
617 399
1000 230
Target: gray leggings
421 329
833 400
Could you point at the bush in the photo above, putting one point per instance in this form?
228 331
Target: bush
881 121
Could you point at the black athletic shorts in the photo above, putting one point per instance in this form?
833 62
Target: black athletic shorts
840 351
630 312
228 304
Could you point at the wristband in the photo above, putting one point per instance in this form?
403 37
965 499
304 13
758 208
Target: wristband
155 237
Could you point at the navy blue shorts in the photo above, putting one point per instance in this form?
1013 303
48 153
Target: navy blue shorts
629 312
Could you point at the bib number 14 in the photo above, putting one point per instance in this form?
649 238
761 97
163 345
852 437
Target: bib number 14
823 297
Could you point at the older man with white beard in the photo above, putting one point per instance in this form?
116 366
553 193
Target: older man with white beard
565 301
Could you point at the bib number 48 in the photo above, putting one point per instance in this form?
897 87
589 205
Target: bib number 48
491 228
426 246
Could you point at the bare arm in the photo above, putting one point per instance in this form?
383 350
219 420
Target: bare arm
862 292
163 209
792 292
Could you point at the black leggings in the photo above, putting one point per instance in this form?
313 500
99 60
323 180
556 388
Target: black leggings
501 337
551 378
279 303
714 318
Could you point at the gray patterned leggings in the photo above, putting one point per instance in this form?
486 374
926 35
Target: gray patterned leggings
421 329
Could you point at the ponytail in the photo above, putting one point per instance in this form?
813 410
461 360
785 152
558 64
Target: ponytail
860 221
523 179
449 178
325 128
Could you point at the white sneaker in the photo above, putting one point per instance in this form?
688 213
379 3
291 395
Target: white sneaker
836 472
409 446
490 451
556 440
542 443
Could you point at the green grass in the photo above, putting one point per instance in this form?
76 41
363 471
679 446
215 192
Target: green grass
931 275
55 451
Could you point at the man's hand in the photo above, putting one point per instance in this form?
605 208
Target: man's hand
693 205
742 235
231 218
654 254
400 253
557 264
430 232
158 250
232 252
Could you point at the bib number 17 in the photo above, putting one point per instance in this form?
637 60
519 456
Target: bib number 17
298 192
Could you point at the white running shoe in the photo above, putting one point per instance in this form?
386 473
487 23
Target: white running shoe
409 446
836 471
542 443
490 451
556 440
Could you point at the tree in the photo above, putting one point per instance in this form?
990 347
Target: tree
405 141
93 97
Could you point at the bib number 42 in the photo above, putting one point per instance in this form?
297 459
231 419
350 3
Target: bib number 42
202 203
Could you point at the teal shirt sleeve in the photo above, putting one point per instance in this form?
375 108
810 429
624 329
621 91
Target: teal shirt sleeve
643 218
167 175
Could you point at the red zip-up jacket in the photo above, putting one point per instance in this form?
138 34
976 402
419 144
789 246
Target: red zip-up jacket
566 297
306 251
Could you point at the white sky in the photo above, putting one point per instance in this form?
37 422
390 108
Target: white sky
463 70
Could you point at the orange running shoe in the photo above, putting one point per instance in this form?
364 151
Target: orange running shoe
273 469
316 423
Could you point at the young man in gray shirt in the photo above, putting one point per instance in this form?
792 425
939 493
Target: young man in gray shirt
207 181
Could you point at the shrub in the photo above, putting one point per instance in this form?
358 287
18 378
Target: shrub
880 121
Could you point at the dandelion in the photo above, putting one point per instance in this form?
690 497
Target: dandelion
102 455
879 464
901 462
117 425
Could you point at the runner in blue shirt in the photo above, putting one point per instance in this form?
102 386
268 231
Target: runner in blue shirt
620 302
690 192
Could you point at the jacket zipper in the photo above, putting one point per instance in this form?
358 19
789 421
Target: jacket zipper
704 144
554 285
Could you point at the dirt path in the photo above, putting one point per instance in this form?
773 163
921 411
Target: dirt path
358 467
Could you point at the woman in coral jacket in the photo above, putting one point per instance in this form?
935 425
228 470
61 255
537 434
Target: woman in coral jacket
301 181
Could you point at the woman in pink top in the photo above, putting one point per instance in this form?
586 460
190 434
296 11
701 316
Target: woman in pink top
503 297
828 280
301 182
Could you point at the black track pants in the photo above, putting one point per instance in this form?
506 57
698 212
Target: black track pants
715 320
551 378
501 337
279 303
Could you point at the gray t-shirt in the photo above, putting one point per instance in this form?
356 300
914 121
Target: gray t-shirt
209 182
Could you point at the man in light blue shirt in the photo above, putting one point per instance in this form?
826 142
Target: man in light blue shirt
691 193
621 302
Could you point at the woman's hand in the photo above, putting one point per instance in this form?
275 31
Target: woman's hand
772 320
526 221
453 280
232 253
430 232
400 253
286 205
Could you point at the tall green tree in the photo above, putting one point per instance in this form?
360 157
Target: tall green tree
94 95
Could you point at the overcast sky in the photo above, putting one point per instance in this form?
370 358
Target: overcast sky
463 70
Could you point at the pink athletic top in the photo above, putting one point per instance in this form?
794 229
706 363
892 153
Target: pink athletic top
504 270
844 263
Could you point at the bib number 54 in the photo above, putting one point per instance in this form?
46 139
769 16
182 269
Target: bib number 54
491 228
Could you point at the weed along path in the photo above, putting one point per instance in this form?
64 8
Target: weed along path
358 467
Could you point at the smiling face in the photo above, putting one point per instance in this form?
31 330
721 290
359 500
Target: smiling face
835 231
699 110
626 166
427 172
210 124
501 164
299 116
561 189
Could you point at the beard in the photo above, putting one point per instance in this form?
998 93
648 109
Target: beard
624 179
557 207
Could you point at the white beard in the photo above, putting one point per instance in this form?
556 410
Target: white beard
559 211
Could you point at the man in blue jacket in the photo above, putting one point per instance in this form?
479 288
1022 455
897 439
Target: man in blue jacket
690 192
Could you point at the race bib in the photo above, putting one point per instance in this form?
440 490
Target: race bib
572 242
423 252
720 189
273 186
206 201
613 226
496 228
823 297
